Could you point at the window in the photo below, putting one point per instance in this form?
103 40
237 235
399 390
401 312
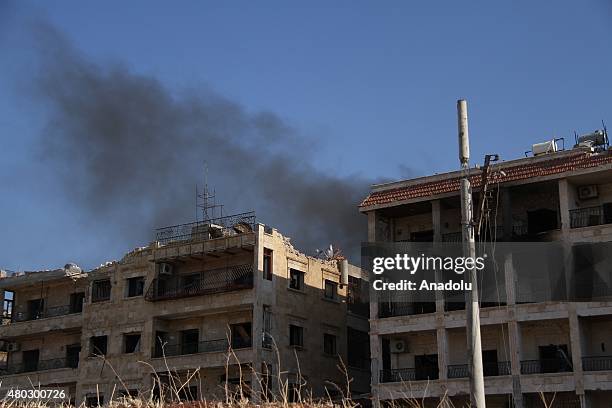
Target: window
267 264
331 289
30 360
267 327
190 341
100 290
296 279
241 335
296 336
94 400
329 344
131 343
135 286
72 355
36 308
358 348
76 302
9 301
97 345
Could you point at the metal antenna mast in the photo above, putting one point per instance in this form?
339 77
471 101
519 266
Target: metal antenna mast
474 346
206 201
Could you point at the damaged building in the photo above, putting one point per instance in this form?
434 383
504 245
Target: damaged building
562 349
208 305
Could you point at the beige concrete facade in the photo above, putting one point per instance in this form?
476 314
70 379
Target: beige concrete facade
514 335
178 307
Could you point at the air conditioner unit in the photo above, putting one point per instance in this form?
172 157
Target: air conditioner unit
13 347
165 268
398 346
585 192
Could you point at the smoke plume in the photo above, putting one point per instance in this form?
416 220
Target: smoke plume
129 152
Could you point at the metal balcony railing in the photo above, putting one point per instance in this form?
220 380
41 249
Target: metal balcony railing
598 363
214 281
587 217
391 309
489 369
204 230
41 365
46 313
545 366
397 375
208 346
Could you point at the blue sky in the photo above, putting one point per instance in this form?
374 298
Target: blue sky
372 85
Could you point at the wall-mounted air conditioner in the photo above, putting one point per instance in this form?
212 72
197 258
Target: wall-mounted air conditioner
586 192
398 346
165 268
13 347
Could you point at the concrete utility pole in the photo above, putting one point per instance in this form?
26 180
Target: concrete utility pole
474 346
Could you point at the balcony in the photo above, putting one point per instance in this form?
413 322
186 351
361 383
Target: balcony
392 309
208 346
408 374
589 216
490 369
42 365
214 281
48 312
545 366
599 363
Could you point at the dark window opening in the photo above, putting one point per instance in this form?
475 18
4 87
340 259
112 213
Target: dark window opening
76 302
422 236
241 335
72 355
329 344
189 341
426 367
541 220
30 360
98 345
94 401
489 363
554 358
189 393
296 279
358 348
267 264
293 394
161 340
267 327
131 343
296 336
36 308
100 290
135 286
331 290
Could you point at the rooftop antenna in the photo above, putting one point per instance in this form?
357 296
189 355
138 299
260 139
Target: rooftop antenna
206 201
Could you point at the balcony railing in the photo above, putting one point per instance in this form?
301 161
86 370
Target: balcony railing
391 309
599 363
41 365
545 366
588 216
214 281
205 230
208 346
489 369
46 313
397 375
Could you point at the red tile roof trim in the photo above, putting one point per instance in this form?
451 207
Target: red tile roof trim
531 169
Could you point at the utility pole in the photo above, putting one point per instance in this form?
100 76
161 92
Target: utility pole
474 346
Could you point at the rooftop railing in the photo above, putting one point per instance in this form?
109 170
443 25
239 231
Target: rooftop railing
597 363
210 282
204 230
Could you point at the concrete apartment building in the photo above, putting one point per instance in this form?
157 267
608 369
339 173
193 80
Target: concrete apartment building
198 289
562 348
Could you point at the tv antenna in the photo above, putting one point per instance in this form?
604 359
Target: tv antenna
206 202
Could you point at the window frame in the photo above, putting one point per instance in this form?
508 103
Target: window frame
139 291
292 336
268 259
334 285
95 353
334 344
300 280
137 346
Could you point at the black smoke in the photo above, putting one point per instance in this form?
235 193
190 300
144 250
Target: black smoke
129 152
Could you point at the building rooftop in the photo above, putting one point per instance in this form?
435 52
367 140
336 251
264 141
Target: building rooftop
520 171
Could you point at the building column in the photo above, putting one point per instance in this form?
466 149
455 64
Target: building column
576 349
514 331
442 343
375 367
